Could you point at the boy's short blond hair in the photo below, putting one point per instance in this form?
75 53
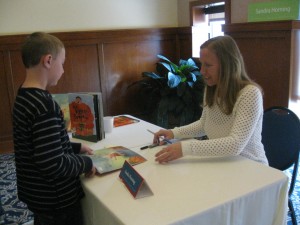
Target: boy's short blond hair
37 45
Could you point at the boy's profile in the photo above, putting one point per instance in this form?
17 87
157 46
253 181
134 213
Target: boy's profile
48 165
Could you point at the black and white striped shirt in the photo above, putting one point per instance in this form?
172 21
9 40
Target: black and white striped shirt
47 163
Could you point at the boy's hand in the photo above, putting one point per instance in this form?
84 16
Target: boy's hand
86 149
91 173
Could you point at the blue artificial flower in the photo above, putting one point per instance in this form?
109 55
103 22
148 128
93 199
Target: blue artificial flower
173 80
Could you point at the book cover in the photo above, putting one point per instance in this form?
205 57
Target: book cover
63 102
85 116
112 158
124 120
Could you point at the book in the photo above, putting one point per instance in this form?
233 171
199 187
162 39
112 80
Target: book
111 159
63 102
124 120
83 114
86 116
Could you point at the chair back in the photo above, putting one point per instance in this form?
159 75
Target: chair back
281 137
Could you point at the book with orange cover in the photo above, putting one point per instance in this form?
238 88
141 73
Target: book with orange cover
86 116
83 114
112 158
124 120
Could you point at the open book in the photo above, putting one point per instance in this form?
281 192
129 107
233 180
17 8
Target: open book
112 158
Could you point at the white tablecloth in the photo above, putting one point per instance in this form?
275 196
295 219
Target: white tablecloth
190 190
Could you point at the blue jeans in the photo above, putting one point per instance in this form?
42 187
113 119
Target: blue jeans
69 216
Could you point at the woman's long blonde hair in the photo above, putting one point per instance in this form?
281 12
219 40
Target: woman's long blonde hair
233 76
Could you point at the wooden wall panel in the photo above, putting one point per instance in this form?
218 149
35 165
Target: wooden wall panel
5 116
107 61
269 66
124 64
16 71
266 48
82 70
184 44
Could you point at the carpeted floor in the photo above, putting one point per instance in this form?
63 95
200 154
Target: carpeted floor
295 197
14 212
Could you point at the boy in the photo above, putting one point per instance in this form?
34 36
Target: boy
47 164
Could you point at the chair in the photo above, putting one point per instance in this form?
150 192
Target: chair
281 140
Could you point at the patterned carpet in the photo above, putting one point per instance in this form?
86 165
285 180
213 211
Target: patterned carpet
295 196
14 212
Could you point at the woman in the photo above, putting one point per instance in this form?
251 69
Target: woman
232 113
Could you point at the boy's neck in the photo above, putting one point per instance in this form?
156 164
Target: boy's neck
29 84
35 79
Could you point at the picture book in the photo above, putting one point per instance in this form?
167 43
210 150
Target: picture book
83 114
124 120
86 116
63 102
112 158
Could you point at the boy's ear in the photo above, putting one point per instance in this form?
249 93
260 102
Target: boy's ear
47 60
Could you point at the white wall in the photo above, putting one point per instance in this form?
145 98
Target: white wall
26 16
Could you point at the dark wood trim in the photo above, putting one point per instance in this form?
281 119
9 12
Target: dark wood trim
227 11
287 25
8 41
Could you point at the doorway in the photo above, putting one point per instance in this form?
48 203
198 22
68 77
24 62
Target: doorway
206 18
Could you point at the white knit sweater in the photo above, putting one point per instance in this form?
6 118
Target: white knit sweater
229 135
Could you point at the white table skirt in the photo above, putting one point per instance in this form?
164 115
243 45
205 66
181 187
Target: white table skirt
190 190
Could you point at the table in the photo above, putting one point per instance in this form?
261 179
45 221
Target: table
190 190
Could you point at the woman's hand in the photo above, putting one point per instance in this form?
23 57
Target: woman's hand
166 134
169 153
86 149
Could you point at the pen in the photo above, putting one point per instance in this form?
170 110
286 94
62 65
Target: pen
144 147
149 146
164 139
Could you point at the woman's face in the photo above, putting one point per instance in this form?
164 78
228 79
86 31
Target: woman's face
210 66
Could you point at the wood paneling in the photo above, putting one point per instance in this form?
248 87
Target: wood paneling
266 48
5 117
82 70
107 61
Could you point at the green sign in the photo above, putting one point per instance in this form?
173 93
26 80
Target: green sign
274 10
